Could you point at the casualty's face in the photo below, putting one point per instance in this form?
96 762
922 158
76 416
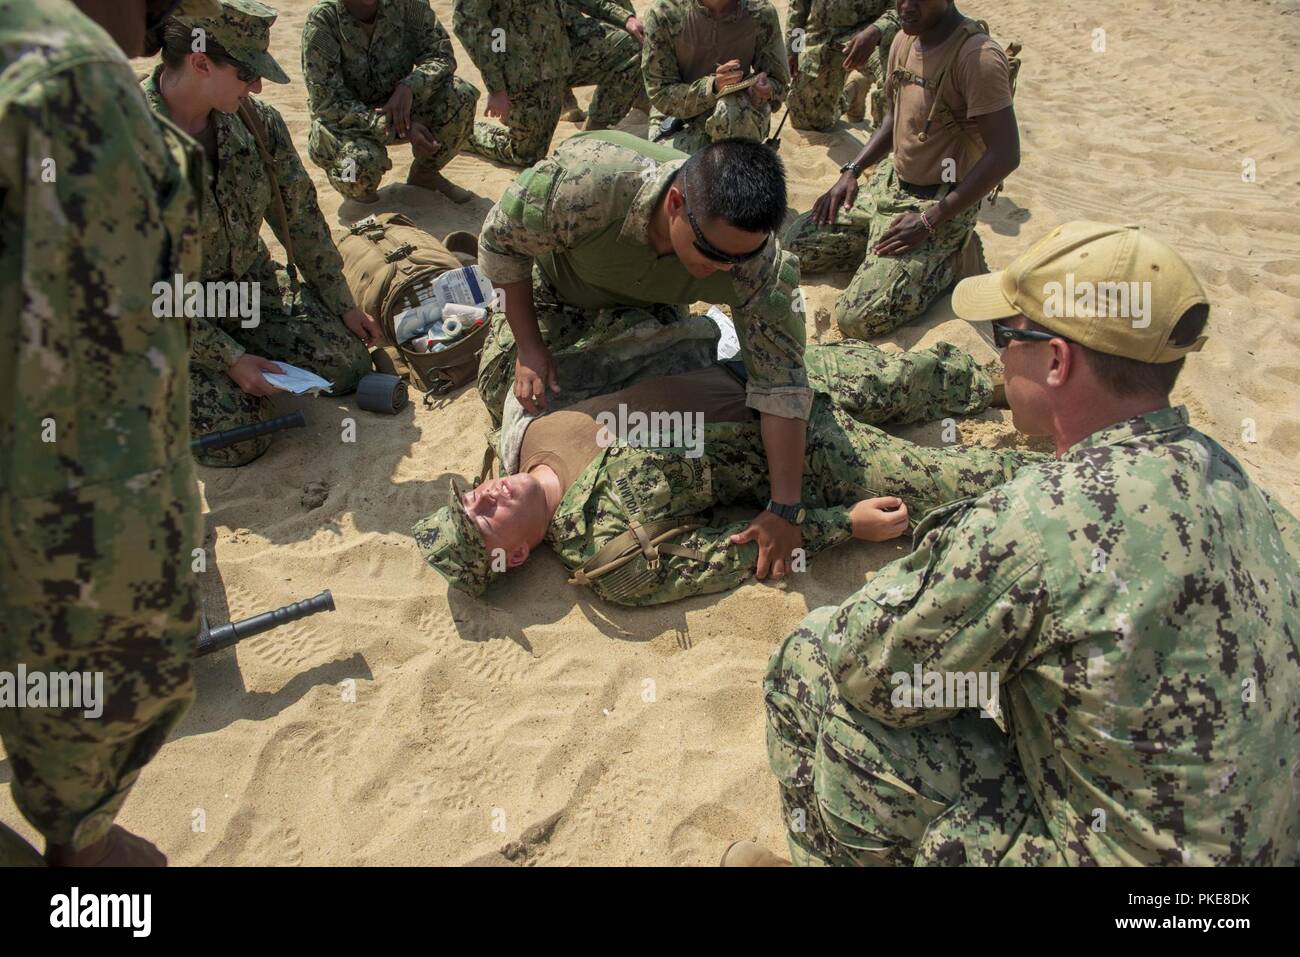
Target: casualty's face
917 16
506 510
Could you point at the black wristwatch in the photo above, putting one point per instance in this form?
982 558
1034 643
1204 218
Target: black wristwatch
794 514
851 167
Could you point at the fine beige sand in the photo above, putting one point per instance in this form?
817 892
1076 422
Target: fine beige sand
539 726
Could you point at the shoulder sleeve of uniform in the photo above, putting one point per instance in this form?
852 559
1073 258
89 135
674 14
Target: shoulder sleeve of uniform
888 19
314 252
769 314
983 75
969 598
605 10
328 98
553 205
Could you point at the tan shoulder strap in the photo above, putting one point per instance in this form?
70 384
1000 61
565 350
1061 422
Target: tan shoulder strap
253 123
649 541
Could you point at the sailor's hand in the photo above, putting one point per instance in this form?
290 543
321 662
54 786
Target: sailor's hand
761 91
728 74
422 141
498 105
878 519
841 195
247 374
362 325
534 373
905 233
777 540
634 27
398 110
860 47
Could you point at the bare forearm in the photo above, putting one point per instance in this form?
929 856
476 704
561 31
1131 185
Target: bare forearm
783 440
879 146
993 167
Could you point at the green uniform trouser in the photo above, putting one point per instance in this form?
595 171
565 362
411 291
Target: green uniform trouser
610 59
817 93
732 115
96 580
308 339
855 792
886 291
356 161
526 136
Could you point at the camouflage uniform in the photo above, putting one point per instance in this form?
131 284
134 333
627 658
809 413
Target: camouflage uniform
886 291
580 217
303 327
1139 601
857 386
99 508
672 94
819 31
350 72
605 54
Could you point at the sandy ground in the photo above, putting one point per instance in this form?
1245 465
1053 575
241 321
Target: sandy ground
539 726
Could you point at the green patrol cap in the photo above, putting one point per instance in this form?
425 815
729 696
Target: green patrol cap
243 28
450 542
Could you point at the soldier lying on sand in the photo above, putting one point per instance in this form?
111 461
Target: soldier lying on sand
580 489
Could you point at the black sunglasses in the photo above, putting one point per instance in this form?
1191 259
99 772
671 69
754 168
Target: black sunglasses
245 72
707 248
1003 335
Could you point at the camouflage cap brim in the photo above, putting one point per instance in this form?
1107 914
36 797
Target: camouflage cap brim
450 542
263 64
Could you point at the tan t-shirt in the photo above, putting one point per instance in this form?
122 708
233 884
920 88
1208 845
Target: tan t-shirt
567 441
980 83
707 41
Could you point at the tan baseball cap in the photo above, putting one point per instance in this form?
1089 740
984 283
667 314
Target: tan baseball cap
1115 289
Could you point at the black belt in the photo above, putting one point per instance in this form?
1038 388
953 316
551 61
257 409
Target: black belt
922 192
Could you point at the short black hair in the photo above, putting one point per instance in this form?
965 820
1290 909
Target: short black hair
739 181
1130 378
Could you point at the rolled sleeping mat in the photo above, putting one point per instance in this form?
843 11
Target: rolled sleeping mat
382 393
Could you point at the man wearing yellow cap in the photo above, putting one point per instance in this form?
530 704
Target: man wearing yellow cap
1094 663
99 509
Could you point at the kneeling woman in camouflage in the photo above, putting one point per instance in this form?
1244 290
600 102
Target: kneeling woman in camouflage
253 175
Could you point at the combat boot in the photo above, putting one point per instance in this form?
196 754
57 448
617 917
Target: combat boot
572 112
429 178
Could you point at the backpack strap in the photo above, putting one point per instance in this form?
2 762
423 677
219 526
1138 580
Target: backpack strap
248 115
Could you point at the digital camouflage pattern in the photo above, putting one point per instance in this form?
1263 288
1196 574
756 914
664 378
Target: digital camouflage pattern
886 291
519 46
818 33
605 55
581 216
243 29
848 459
449 541
350 72
99 507
712 117
303 327
1137 598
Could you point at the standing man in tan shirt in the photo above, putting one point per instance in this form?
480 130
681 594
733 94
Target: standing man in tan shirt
949 138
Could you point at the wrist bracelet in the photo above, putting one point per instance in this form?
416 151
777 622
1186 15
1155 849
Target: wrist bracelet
929 227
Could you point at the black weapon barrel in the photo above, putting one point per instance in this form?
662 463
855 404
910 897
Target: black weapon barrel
223 636
219 440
